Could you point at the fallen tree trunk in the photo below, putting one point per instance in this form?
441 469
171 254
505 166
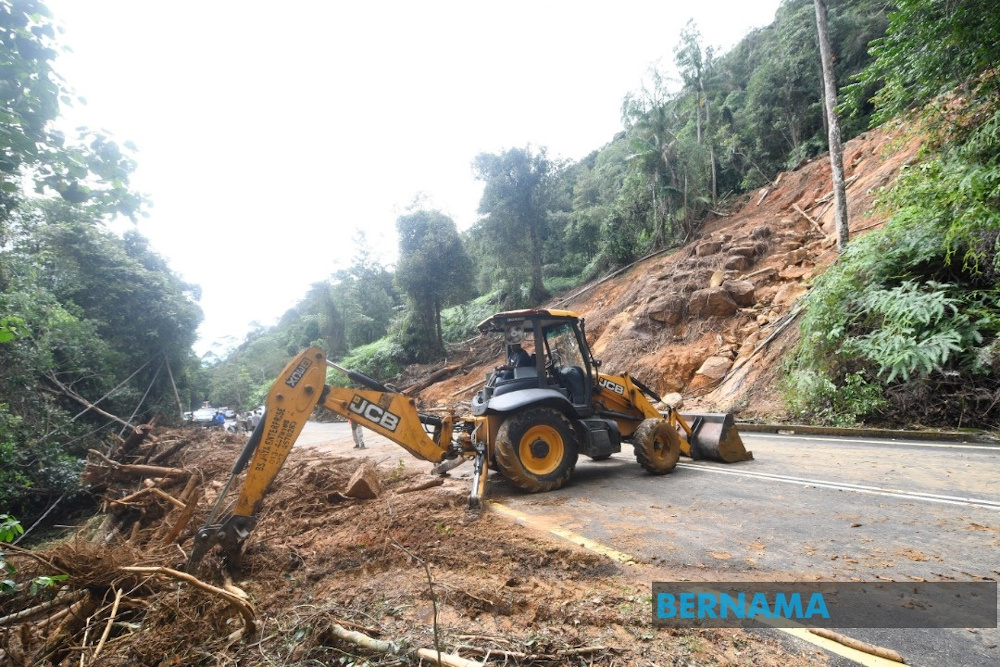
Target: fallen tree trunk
84 402
434 377
133 469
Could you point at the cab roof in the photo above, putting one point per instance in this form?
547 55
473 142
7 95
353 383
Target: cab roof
526 318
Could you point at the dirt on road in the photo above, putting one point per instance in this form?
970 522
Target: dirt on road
408 569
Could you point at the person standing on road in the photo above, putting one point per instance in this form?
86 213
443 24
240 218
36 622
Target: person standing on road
356 432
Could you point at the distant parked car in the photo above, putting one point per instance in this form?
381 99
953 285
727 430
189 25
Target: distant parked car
230 414
203 415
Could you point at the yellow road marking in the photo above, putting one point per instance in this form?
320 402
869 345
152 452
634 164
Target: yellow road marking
568 535
539 523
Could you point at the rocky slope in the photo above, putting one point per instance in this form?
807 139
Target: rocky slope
710 320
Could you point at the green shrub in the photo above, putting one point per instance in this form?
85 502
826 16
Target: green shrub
381 360
814 398
916 303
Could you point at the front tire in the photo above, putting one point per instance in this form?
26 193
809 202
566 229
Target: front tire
657 446
536 449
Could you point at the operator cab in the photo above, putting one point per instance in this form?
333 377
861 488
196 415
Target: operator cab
546 356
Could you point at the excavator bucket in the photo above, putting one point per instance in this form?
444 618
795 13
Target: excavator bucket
713 437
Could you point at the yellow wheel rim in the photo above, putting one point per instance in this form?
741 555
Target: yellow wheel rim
661 450
541 450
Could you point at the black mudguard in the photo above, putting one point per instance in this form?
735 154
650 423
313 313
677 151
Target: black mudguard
516 400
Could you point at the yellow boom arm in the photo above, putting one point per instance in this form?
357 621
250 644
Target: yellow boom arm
300 387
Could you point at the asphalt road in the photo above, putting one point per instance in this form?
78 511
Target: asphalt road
808 508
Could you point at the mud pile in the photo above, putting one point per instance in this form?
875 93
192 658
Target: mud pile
329 579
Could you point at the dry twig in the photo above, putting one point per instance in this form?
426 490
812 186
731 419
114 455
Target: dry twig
244 607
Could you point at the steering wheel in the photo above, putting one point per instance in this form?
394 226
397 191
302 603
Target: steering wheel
553 364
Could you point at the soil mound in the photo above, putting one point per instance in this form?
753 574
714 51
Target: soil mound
328 579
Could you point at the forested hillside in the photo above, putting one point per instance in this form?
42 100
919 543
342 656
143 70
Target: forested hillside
689 146
96 328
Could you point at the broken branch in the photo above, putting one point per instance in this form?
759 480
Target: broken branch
431 379
814 221
138 470
858 645
436 481
107 626
446 659
244 607
63 598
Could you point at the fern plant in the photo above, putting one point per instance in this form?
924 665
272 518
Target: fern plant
915 328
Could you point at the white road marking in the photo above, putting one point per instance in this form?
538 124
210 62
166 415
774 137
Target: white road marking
845 486
755 435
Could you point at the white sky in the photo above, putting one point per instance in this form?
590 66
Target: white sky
268 132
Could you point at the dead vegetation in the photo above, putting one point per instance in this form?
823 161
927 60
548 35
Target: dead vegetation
327 578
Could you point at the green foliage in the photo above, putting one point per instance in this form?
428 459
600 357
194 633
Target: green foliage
929 48
11 328
517 194
915 329
434 271
10 530
90 170
381 360
39 584
815 398
459 322
13 481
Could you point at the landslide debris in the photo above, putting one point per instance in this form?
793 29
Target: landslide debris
712 319
408 569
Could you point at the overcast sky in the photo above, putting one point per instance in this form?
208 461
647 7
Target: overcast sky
267 133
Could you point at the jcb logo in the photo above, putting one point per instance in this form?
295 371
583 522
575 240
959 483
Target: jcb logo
611 386
374 413
297 374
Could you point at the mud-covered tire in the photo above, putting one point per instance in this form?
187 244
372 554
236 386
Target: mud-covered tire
657 446
536 449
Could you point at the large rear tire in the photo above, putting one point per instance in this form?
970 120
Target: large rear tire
536 449
657 446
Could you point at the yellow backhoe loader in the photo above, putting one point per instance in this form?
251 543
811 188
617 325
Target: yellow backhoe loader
530 421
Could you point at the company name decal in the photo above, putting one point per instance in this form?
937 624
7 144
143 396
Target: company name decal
297 374
611 386
374 413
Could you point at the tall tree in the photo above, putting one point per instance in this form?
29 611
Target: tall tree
514 207
833 127
433 271
366 295
88 170
696 65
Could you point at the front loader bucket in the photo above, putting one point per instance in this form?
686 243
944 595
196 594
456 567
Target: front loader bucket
714 437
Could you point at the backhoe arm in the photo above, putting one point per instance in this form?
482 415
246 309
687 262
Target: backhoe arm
299 388
292 398
394 416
